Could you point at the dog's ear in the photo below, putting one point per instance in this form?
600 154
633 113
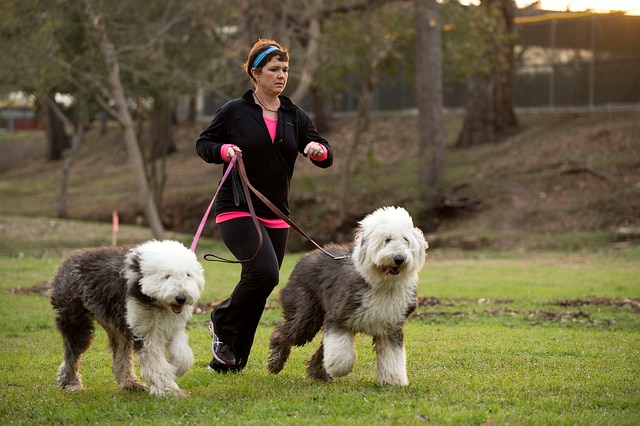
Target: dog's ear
360 242
132 269
422 244
419 236
199 277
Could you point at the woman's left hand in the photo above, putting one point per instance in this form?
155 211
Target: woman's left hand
314 149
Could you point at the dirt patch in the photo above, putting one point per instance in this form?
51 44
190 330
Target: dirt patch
499 307
632 304
41 289
436 301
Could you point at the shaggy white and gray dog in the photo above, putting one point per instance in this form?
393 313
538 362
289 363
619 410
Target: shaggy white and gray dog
372 291
143 296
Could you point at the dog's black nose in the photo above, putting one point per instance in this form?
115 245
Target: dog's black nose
180 299
398 259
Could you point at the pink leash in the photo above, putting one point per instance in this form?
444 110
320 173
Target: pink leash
232 163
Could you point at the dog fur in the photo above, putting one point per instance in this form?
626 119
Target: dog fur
373 292
143 296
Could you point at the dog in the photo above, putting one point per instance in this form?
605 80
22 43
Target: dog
373 291
143 296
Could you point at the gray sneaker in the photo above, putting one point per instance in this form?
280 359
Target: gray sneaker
221 351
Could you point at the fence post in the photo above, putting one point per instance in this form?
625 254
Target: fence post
592 63
552 77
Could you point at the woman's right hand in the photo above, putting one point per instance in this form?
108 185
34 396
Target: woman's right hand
231 151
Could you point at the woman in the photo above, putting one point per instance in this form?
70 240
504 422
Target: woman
269 131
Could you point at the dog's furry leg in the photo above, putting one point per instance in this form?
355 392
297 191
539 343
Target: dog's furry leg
122 356
391 360
76 327
339 353
180 354
69 379
300 326
280 349
157 371
315 367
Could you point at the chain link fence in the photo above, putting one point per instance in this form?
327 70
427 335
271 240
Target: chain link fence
582 60
563 61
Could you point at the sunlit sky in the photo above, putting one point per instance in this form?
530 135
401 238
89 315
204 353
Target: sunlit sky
631 6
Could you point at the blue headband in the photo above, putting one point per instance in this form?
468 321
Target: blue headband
261 56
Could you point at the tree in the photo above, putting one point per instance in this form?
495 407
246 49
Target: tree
57 139
138 50
429 100
383 37
77 132
489 113
21 30
121 113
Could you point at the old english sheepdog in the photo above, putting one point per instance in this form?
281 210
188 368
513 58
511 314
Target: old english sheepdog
143 296
372 291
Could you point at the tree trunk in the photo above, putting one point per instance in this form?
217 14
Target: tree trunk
478 127
429 99
506 120
362 125
70 158
489 113
322 111
311 49
162 141
124 118
192 112
162 144
57 138
70 155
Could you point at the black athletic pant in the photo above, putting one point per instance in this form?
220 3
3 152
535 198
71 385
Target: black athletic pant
236 319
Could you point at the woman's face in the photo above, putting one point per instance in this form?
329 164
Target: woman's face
273 76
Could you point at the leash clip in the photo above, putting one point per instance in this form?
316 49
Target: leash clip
345 257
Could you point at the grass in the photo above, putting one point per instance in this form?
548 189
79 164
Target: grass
540 326
532 338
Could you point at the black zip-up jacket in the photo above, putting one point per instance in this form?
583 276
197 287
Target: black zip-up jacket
269 164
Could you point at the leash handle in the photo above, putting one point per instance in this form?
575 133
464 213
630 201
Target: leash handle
196 237
254 217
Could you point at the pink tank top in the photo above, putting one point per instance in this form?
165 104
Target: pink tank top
271 126
269 223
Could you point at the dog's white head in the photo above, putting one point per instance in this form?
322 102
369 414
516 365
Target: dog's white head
388 246
166 272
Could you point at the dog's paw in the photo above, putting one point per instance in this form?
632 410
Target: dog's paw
393 381
277 359
135 386
69 380
169 390
318 373
71 387
178 393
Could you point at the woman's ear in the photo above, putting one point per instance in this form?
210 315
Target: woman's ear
255 73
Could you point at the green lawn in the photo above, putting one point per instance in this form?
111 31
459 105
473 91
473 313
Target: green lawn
521 339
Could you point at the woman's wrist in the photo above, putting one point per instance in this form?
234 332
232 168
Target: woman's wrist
224 152
321 156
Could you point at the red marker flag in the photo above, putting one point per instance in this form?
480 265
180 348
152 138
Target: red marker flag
116 225
115 222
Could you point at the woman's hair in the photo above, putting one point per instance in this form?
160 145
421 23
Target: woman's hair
257 57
